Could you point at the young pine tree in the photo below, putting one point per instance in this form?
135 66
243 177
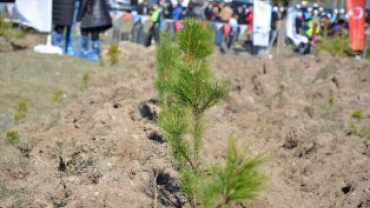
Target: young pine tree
187 90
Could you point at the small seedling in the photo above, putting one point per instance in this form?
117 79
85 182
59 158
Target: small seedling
187 89
21 111
85 82
58 96
12 138
113 54
79 164
332 100
358 114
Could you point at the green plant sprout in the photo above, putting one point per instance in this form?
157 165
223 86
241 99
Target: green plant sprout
85 82
20 111
113 54
58 96
12 138
332 100
358 114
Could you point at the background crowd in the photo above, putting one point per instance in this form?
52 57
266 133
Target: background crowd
302 26
311 21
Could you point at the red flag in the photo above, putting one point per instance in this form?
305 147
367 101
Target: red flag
356 19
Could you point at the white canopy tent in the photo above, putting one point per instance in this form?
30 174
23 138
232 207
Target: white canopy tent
38 14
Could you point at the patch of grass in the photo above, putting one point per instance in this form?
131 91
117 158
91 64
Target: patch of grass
12 138
361 131
79 164
336 46
358 114
7 30
85 82
113 54
20 111
107 148
58 96
3 190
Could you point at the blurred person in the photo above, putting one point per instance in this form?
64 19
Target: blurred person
321 10
233 22
220 6
216 15
342 14
143 8
226 12
314 30
70 42
315 6
189 11
176 11
62 18
274 25
137 27
299 23
298 7
156 25
199 9
208 11
334 16
307 14
134 5
337 28
325 24
196 10
95 19
241 15
249 18
165 8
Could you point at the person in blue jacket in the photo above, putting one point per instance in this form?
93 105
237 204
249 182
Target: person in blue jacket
177 11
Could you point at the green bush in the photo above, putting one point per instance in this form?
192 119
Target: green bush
186 90
336 46
7 30
12 138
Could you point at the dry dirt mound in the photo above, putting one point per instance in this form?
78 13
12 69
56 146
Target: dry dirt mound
14 44
103 150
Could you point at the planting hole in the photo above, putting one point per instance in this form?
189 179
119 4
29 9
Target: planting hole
346 189
116 105
154 136
146 112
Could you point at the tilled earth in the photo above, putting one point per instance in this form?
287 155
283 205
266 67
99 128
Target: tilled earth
310 115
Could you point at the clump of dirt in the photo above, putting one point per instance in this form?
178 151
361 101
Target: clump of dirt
15 44
104 149
5 46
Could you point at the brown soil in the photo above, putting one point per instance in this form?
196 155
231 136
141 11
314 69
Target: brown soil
14 44
297 111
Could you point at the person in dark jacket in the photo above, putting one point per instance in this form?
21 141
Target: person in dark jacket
62 16
95 18
143 8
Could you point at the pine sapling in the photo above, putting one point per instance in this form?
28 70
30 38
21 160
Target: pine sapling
187 90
